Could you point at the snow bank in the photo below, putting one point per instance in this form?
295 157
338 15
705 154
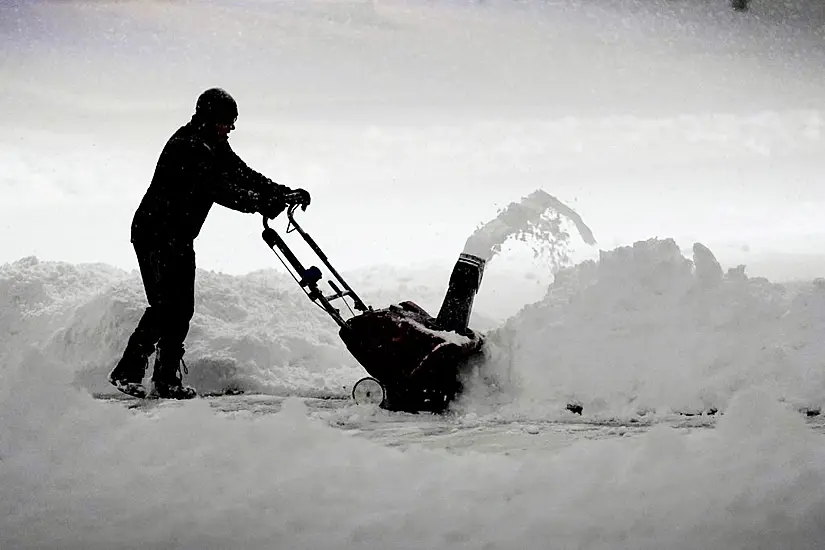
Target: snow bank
38 298
645 330
255 333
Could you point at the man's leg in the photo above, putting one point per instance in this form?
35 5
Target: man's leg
128 374
175 302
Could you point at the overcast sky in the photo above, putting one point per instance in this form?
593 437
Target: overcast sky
412 123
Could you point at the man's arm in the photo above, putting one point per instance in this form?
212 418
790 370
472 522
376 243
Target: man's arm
239 187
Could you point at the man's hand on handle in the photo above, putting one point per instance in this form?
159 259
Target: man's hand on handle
274 203
297 197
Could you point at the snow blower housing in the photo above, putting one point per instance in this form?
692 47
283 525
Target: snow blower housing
415 361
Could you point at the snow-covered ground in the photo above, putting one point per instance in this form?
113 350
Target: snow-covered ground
642 339
686 136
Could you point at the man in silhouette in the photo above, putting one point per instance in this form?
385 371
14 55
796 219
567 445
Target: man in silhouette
196 169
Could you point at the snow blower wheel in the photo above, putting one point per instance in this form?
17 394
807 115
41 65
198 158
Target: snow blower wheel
368 391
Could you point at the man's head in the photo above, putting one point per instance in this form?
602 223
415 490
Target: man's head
216 108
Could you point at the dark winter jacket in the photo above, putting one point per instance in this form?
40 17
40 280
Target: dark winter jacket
194 171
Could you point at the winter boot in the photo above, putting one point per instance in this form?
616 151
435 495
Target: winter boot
167 380
127 376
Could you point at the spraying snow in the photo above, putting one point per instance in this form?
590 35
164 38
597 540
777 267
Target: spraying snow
538 220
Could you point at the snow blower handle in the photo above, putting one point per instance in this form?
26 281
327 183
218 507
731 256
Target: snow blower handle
293 226
308 279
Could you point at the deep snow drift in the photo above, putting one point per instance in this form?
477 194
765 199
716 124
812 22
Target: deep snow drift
645 330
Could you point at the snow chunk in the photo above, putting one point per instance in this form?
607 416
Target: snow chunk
708 270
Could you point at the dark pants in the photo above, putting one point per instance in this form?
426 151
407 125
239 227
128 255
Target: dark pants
168 274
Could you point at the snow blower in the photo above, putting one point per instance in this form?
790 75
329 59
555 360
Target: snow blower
415 361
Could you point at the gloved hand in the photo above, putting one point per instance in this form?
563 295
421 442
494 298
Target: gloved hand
272 206
297 197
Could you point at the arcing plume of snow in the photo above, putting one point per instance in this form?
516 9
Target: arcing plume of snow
539 220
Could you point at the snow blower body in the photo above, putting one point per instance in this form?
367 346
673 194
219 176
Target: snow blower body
415 361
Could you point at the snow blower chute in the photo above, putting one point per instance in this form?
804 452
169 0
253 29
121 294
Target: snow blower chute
415 361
